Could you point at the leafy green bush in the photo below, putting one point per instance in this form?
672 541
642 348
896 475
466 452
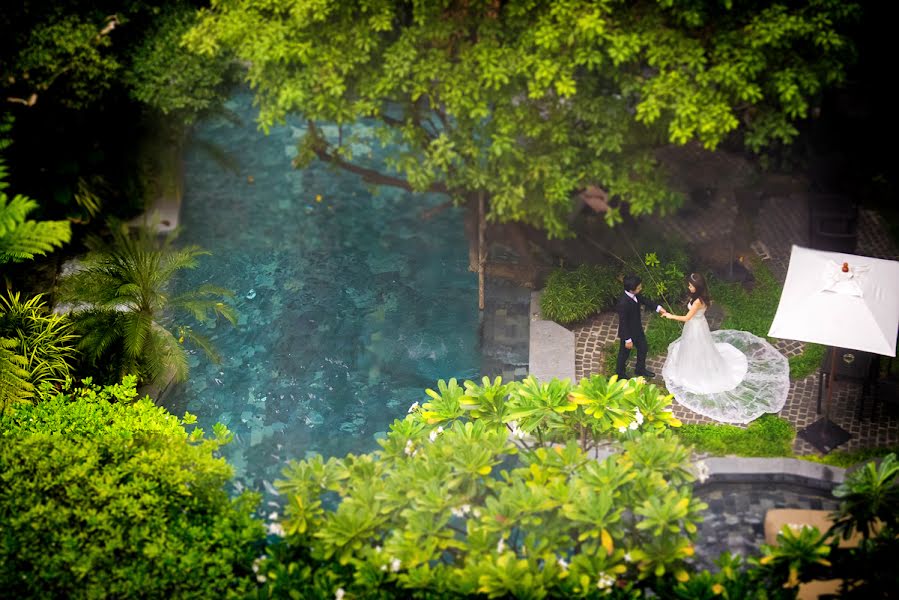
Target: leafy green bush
104 496
423 517
749 310
570 296
769 435
664 275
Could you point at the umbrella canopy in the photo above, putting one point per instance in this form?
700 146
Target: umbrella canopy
853 306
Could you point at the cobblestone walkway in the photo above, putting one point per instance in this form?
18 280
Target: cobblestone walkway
782 222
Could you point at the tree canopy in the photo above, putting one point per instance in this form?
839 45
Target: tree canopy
529 101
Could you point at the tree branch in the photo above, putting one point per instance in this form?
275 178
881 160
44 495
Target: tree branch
368 175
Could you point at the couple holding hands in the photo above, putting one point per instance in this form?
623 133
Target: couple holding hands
727 375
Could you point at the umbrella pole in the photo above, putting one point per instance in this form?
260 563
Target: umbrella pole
833 367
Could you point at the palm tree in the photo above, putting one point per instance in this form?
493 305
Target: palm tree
124 310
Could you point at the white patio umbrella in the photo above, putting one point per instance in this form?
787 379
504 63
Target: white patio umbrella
822 304
839 300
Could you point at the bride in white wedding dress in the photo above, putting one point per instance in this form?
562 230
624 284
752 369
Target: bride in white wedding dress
727 375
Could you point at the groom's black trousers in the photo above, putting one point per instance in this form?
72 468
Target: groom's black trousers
623 354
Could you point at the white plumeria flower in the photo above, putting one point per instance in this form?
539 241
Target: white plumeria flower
414 407
466 508
477 513
339 594
563 564
702 471
272 516
627 557
275 529
501 546
639 416
605 581
409 448
395 565
435 433
633 425
622 430
378 549
457 512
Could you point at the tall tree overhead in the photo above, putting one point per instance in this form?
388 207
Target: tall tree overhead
529 101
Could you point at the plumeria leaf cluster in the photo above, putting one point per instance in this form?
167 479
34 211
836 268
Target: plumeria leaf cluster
485 490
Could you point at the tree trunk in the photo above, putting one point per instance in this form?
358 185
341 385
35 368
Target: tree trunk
482 249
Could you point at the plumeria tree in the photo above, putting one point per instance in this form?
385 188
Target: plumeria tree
468 496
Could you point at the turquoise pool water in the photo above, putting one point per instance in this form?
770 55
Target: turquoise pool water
350 304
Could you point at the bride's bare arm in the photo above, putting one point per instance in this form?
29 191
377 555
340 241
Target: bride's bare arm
697 304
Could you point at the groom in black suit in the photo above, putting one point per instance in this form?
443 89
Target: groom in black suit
630 327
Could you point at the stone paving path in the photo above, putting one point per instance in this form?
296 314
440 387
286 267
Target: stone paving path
782 222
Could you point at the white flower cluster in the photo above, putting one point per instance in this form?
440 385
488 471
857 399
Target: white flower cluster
415 406
633 425
339 594
410 448
435 433
563 564
702 471
501 546
516 432
605 581
259 576
462 511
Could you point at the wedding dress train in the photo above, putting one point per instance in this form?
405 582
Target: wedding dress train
727 375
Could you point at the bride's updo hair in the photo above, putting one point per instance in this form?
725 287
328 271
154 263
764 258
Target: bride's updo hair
701 287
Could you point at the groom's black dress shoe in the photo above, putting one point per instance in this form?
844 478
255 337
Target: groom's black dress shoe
646 374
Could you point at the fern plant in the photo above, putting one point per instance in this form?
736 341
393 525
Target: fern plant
14 384
21 239
125 311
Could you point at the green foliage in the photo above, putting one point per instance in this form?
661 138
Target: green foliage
570 296
451 507
799 550
14 384
769 435
732 580
749 310
46 340
849 458
868 495
103 496
664 274
168 77
124 293
807 362
529 101
21 239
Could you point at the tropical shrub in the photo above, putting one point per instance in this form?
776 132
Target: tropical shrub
461 500
125 311
46 340
103 495
570 296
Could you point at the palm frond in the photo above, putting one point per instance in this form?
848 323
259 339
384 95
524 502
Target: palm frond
166 355
203 343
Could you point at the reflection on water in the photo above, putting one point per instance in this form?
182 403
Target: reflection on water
350 305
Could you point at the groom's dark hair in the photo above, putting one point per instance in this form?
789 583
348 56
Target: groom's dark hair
631 282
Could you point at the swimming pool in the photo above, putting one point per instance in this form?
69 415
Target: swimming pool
350 303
